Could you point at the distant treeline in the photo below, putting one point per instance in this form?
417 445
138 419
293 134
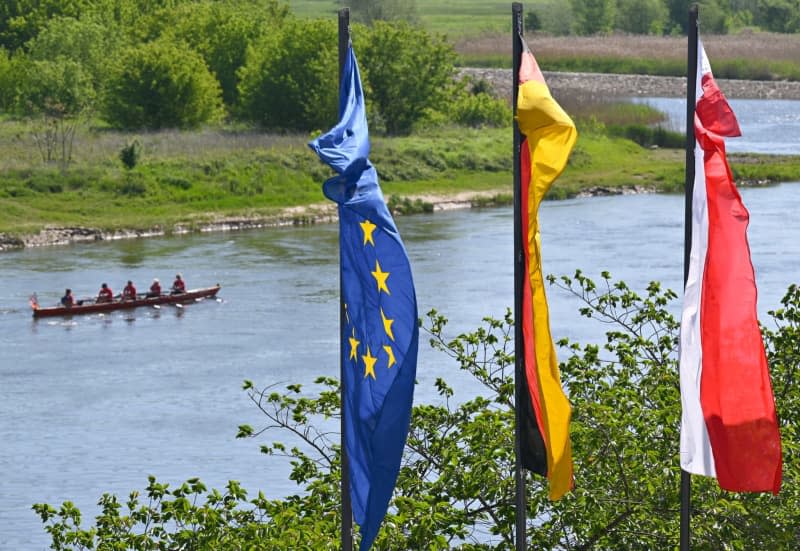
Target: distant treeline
148 64
571 17
588 17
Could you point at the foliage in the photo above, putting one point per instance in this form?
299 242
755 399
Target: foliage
477 110
220 32
780 16
289 79
22 20
456 485
162 84
83 41
641 16
532 22
369 11
402 95
648 136
130 154
56 94
594 16
10 75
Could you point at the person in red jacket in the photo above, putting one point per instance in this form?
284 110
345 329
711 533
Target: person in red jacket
155 289
105 294
178 286
129 292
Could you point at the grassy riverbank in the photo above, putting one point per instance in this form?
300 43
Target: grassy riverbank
187 180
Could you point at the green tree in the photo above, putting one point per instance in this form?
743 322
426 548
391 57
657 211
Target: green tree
55 94
594 16
369 11
9 80
641 16
221 33
456 485
162 84
290 78
21 20
780 16
556 16
84 41
409 71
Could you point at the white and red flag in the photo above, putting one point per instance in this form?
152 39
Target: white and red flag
729 429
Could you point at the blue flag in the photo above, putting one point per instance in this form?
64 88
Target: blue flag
380 333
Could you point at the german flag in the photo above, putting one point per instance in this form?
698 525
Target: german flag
549 137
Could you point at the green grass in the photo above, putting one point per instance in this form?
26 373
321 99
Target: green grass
225 178
454 18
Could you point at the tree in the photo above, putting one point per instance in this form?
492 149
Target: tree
290 77
161 84
456 486
85 41
778 16
370 11
21 20
594 16
409 73
221 33
57 94
641 16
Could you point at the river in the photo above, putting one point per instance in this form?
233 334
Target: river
95 404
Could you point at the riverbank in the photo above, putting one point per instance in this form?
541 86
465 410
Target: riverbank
215 181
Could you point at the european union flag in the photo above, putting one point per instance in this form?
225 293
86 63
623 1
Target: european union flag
380 333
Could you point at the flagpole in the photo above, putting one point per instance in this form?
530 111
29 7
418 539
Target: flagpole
519 269
691 85
347 509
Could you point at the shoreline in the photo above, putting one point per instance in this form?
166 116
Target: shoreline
318 213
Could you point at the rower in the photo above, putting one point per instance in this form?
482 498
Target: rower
105 294
178 286
155 289
129 292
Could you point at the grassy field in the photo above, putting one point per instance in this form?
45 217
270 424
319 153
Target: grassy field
454 18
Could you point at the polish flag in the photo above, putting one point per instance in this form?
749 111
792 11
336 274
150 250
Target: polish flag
729 429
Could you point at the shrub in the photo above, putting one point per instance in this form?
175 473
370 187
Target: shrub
130 153
478 110
221 33
409 72
289 79
162 84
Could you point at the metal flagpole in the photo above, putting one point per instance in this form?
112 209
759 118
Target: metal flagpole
691 84
519 269
347 509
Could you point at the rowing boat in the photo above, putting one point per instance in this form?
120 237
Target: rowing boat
86 307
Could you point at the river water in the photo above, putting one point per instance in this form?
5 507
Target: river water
97 403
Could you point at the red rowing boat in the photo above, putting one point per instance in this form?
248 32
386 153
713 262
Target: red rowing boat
93 307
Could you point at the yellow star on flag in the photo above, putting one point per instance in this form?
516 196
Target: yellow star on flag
387 325
380 276
353 345
369 364
368 227
390 353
